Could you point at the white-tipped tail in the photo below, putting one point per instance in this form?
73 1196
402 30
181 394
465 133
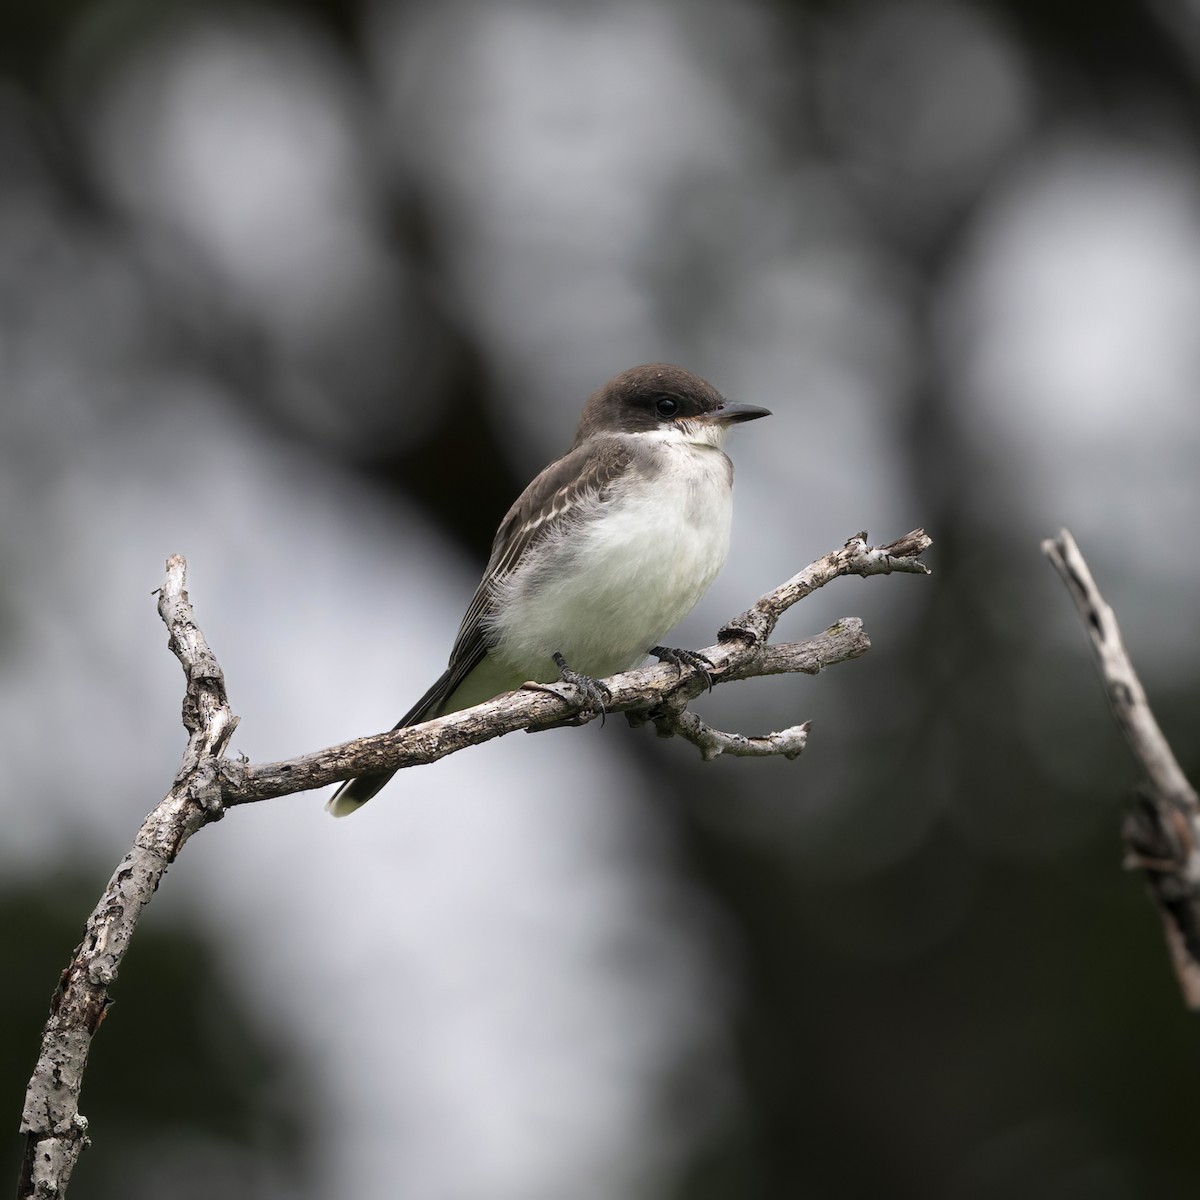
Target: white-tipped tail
354 793
340 805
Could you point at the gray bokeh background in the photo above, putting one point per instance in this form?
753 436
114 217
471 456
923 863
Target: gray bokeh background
306 292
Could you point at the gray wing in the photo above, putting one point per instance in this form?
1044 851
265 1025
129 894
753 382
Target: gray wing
581 474
588 471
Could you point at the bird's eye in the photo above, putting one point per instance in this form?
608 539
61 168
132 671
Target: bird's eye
666 407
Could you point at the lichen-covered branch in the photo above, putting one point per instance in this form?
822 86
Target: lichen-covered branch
712 742
55 1131
208 783
1162 830
742 653
854 558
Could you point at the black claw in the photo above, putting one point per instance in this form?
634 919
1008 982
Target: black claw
593 694
700 663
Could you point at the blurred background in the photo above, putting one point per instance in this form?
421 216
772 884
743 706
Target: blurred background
308 291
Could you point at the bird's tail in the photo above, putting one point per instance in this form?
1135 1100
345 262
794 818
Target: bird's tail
354 793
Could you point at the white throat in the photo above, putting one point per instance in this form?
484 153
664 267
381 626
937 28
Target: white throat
711 434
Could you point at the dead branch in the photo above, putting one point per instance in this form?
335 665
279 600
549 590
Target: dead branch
1162 830
208 783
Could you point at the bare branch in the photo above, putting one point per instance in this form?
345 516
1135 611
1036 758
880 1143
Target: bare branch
55 1131
742 653
854 558
549 706
1163 829
208 783
711 742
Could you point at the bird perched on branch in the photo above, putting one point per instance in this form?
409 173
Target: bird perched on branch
605 551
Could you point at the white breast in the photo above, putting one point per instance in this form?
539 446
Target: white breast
618 580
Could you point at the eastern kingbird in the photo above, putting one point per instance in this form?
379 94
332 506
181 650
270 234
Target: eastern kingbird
604 552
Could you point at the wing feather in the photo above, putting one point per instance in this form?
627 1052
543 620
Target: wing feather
579 476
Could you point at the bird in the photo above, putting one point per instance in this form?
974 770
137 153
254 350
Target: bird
608 548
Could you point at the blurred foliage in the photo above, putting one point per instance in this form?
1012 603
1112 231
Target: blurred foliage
962 1021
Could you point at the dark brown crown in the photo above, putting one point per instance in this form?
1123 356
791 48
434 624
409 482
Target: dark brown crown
633 402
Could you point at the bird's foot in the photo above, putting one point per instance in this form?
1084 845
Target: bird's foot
700 663
591 695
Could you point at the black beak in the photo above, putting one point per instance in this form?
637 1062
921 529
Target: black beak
729 414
